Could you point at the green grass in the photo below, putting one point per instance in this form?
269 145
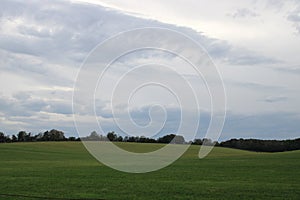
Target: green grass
66 170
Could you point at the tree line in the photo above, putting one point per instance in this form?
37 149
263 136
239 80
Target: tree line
112 136
244 144
56 135
23 136
262 145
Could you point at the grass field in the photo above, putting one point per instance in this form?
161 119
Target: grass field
66 170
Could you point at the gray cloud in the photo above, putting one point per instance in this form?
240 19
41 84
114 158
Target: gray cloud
243 57
294 17
22 104
60 35
275 99
255 86
275 125
42 44
243 13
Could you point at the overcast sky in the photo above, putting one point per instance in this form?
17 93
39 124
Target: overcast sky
254 43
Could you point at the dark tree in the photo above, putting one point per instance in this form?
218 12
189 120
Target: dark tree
178 139
166 139
197 142
208 142
132 139
111 136
119 139
71 139
94 136
14 138
28 137
7 139
22 136
2 137
53 135
262 145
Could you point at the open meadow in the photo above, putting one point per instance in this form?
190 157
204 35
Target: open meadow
65 170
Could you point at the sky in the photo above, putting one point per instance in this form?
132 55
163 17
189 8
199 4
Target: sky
254 44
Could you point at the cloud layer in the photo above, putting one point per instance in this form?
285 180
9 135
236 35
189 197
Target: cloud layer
43 44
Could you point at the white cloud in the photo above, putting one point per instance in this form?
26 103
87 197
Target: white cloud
42 45
269 33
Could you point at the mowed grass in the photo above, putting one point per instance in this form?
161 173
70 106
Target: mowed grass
66 170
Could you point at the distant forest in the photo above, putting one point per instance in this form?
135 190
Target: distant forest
244 144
